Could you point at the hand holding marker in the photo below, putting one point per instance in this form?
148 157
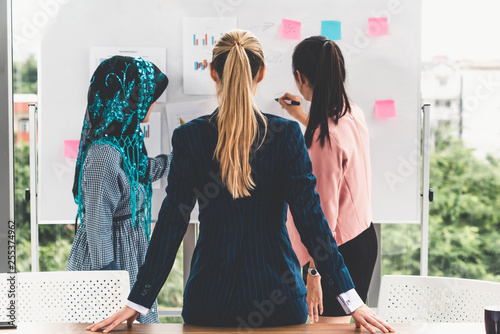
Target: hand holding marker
289 102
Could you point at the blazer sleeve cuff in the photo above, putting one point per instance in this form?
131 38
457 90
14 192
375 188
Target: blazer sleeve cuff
350 301
139 308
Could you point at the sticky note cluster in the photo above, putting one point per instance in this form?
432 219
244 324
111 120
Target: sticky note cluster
377 26
385 109
290 29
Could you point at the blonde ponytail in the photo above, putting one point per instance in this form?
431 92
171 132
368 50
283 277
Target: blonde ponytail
237 58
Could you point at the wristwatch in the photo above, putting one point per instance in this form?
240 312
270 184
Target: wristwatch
313 272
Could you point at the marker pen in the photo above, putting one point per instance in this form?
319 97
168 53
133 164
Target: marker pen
290 102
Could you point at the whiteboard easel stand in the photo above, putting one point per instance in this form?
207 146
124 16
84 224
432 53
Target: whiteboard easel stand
426 135
35 264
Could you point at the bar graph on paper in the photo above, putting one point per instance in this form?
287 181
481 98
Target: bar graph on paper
207 40
152 134
146 131
180 118
200 35
201 65
153 138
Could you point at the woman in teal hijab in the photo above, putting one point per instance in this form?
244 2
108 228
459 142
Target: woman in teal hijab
113 176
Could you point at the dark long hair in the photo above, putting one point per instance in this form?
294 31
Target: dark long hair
321 62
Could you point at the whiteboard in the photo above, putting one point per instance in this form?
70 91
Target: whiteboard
379 68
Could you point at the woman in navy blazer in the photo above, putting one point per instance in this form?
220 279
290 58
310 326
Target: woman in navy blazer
243 167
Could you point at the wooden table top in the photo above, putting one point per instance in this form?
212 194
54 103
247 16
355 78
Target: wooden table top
432 328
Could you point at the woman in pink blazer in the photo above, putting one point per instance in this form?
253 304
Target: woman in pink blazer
338 143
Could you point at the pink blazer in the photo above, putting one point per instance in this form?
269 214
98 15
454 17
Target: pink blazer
342 170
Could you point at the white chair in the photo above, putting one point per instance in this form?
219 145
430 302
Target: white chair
68 296
413 299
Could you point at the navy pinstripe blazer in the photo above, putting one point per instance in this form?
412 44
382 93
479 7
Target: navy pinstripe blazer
243 253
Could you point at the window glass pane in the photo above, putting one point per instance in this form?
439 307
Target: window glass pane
464 218
461 84
170 296
21 207
400 249
464 230
55 244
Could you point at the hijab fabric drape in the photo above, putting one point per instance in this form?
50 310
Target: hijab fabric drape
122 90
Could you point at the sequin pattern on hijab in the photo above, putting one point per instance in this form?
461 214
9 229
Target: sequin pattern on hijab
122 90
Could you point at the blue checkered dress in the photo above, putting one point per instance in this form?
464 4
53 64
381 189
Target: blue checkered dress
106 239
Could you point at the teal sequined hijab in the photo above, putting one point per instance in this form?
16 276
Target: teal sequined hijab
122 90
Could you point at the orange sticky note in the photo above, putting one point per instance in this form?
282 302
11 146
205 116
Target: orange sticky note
71 148
377 26
290 29
385 109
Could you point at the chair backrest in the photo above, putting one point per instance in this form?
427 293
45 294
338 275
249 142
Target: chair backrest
410 299
67 296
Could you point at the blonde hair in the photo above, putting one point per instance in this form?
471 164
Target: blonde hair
237 58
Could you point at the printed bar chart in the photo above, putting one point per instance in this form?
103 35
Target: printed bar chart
200 35
145 131
204 41
201 65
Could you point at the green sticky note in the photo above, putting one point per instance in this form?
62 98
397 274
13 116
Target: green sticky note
331 30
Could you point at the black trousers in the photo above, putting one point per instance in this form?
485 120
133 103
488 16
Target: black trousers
360 255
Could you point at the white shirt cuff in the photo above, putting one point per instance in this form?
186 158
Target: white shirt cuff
139 308
350 301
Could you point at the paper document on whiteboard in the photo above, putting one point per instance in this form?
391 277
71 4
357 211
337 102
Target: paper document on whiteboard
181 113
199 37
152 138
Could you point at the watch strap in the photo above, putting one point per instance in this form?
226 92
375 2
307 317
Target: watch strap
313 272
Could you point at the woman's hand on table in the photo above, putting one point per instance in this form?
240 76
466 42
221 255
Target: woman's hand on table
365 317
126 313
314 298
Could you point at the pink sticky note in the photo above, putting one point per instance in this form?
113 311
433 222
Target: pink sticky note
71 148
290 29
377 26
385 109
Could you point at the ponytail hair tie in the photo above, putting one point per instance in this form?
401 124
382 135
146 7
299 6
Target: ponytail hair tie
237 43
